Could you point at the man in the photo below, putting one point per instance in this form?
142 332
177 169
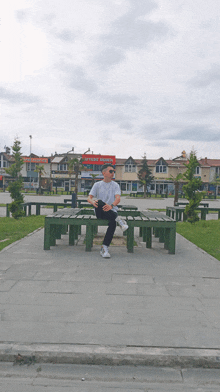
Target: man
105 196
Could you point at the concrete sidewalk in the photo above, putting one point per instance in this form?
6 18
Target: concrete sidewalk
149 307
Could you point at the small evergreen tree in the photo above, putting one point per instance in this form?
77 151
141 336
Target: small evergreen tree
145 175
191 188
15 186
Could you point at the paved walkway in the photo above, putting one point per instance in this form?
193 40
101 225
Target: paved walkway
147 307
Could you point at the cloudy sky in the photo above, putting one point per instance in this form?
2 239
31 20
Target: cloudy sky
121 77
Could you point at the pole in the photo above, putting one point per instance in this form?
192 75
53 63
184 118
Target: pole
30 136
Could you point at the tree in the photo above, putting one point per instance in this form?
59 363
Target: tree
40 170
93 178
15 207
191 188
176 181
216 183
144 175
75 166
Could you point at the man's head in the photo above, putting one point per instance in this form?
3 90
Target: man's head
108 172
107 166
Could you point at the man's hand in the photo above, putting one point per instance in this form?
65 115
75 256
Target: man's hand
107 207
95 203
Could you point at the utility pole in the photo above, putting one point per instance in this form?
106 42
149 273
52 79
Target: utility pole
30 136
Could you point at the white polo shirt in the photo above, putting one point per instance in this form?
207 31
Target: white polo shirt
106 192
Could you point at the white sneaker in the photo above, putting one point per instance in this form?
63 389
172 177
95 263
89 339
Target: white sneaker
123 225
104 252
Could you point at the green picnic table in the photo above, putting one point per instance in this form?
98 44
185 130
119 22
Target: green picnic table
182 203
58 223
178 213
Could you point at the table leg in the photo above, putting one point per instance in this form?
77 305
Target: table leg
203 214
170 239
89 237
130 239
72 235
37 209
53 234
162 235
149 237
46 235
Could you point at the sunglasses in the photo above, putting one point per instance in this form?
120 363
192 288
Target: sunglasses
111 171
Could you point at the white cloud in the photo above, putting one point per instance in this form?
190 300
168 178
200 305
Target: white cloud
122 77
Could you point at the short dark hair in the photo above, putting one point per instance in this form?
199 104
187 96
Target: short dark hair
106 165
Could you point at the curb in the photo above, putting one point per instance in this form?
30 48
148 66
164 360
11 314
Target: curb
113 356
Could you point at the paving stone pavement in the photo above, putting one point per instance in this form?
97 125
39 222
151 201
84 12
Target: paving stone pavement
148 305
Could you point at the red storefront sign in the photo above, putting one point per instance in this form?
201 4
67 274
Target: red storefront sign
1 178
35 160
92 159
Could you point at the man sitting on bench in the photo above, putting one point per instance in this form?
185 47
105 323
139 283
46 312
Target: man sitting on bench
105 196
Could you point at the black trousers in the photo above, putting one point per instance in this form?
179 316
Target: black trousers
110 216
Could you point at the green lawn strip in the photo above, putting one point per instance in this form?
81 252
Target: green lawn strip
204 234
12 230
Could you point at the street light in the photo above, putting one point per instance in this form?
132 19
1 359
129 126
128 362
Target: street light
30 136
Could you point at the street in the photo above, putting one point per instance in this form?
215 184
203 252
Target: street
84 378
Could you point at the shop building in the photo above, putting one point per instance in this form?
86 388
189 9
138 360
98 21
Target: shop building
92 173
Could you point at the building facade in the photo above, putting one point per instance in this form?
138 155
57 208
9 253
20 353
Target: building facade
56 172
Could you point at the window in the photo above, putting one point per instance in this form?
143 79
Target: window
161 167
130 168
62 167
33 166
197 170
217 171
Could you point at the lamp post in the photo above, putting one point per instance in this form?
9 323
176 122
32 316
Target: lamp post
30 136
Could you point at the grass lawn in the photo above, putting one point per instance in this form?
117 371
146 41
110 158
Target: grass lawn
12 230
204 234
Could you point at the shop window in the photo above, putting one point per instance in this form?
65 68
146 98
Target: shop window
123 186
134 186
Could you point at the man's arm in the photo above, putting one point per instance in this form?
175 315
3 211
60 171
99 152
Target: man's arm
108 207
92 201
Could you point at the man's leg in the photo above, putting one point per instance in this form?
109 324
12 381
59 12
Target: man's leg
110 216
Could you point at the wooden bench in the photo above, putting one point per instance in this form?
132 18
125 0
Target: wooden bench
57 224
178 213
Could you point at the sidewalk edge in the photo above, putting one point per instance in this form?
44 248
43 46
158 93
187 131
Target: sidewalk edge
112 356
